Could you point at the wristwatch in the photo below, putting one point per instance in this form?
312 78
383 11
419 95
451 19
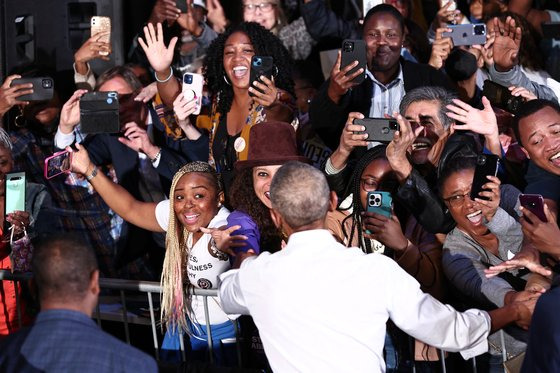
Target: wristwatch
93 174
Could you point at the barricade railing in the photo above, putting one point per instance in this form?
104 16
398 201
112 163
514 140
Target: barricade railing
151 288
122 286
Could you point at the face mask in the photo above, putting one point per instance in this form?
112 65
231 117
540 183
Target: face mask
460 65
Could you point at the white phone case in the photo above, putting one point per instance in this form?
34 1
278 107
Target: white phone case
192 89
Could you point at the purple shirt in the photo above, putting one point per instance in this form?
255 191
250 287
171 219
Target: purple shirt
248 228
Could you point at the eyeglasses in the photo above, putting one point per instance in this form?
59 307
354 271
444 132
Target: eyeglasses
263 7
457 199
369 185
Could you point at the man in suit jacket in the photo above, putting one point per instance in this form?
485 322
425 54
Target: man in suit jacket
388 78
64 337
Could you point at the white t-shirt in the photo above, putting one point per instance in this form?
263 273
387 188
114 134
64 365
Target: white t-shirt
204 265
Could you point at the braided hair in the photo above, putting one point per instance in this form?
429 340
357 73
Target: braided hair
175 297
264 44
354 188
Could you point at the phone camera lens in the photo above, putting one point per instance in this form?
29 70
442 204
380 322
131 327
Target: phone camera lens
47 83
348 47
479 30
257 62
188 78
394 126
481 160
532 204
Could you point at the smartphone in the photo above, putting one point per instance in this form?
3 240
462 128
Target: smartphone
181 5
551 30
101 24
453 5
486 164
354 50
130 110
260 65
368 4
380 203
535 204
501 97
378 129
58 163
43 88
99 112
192 89
469 34
15 192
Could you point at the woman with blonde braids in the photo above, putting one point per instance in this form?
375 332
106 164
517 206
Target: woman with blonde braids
192 258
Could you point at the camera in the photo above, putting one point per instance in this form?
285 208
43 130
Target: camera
188 79
513 103
374 200
257 61
479 29
47 83
481 160
348 47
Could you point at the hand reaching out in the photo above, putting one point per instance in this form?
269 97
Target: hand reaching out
339 82
81 164
482 122
70 113
225 242
158 54
147 93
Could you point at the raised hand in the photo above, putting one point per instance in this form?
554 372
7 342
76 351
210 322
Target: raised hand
339 82
158 54
189 22
490 190
164 10
216 15
264 91
397 149
445 16
70 113
136 138
522 92
93 48
9 95
506 44
482 122
440 48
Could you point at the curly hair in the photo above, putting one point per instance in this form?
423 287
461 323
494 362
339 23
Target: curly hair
264 44
242 197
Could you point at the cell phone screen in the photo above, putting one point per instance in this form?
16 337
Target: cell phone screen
57 164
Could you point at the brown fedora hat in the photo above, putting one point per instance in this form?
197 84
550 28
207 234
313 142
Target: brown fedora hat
271 143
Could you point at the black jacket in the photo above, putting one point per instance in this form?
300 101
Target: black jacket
328 118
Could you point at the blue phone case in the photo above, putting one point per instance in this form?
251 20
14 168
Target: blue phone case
380 203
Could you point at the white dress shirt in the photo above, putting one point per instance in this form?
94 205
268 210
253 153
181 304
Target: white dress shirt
322 307
385 99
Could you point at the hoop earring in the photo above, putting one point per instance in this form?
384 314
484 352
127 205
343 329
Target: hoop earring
19 120
225 79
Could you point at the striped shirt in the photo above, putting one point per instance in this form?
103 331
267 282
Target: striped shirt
385 99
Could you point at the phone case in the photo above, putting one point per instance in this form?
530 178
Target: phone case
379 129
101 24
486 164
535 204
192 88
469 34
380 203
551 30
15 192
58 163
451 7
354 50
99 112
43 88
181 5
260 65
501 97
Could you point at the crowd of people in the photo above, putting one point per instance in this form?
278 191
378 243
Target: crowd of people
262 189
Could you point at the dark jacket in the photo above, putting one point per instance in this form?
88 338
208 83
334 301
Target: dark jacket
328 118
418 194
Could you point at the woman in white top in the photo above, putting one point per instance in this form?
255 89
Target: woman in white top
192 258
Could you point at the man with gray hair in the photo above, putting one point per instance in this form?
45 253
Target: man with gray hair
322 307
427 136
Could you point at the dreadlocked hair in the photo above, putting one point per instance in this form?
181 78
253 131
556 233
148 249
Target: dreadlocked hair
354 187
242 198
176 297
264 44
